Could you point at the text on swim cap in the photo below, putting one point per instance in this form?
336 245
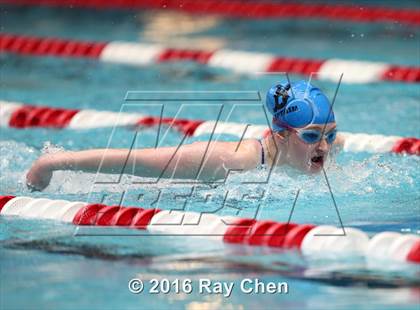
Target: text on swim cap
289 110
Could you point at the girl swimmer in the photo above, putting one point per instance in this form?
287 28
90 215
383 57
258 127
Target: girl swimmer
303 132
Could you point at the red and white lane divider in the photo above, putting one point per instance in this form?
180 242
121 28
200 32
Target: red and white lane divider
131 53
307 238
249 9
19 115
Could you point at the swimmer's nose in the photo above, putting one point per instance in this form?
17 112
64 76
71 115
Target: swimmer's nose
323 146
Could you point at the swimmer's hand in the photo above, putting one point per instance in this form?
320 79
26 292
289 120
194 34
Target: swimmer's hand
39 176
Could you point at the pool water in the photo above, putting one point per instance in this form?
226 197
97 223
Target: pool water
44 265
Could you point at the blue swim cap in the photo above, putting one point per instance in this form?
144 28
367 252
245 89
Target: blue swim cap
298 105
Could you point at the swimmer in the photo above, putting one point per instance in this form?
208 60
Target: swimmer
303 133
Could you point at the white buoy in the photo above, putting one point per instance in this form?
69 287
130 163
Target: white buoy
378 246
313 242
53 208
33 208
70 210
399 249
14 205
354 242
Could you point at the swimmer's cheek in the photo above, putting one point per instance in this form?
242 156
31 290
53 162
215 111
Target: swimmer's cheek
39 176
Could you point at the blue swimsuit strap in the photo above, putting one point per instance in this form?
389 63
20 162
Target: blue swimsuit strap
262 152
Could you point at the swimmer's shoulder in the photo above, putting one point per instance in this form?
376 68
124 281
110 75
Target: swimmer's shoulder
246 151
249 152
245 154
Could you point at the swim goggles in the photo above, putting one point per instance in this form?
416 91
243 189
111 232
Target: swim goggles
312 136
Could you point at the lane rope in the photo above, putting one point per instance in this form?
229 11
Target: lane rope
136 54
250 9
306 238
19 115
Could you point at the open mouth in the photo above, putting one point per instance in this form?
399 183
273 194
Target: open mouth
318 160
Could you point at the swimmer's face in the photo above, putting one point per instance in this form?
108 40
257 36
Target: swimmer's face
309 157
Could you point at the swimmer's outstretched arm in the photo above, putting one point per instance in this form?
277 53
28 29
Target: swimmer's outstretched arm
198 160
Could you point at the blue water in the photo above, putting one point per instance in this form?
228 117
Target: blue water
43 265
